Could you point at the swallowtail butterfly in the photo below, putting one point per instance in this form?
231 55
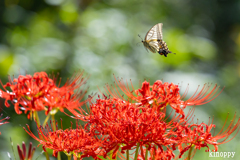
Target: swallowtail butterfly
153 40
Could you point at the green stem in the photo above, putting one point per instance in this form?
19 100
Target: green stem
12 148
79 157
127 154
146 154
111 153
69 157
59 156
46 119
153 156
54 129
46 155
36 118
190 152
53 122
136 153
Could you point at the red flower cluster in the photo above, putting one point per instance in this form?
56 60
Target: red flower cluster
121 122
70 141
116 125
140 121
39 92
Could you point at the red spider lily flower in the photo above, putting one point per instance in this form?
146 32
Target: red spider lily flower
22 152
161 94
198 136
121 122
65 97
70 141
28 91
1 121
40 93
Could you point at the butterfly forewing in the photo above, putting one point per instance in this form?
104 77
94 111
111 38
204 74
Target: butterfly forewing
154 33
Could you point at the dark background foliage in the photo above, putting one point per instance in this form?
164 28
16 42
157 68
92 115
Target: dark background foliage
101 37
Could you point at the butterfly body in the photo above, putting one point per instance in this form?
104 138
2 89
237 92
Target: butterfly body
153 41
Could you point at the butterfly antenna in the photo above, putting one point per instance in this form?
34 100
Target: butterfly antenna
142 41
140 37
139 42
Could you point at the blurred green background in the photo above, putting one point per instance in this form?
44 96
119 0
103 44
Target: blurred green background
101 37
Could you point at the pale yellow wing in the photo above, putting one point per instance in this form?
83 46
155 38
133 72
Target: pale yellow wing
155 33
152 45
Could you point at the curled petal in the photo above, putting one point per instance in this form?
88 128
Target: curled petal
202 97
